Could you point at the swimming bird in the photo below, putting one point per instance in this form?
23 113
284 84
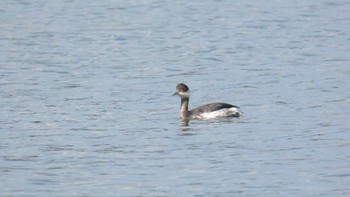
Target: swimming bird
204 112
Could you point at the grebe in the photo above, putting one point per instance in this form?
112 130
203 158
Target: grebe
204 112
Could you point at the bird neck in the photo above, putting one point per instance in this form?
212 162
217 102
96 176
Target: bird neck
184 108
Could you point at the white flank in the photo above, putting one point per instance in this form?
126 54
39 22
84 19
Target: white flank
226 112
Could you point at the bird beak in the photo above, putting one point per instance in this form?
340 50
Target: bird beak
176 93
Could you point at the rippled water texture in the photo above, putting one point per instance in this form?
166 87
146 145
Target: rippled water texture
86 105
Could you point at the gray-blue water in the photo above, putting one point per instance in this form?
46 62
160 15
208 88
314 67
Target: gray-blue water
86 105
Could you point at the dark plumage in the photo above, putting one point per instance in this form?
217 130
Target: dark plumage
211 107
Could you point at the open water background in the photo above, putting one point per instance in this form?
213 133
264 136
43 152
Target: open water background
86 108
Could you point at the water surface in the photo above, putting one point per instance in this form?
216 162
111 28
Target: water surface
86 105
